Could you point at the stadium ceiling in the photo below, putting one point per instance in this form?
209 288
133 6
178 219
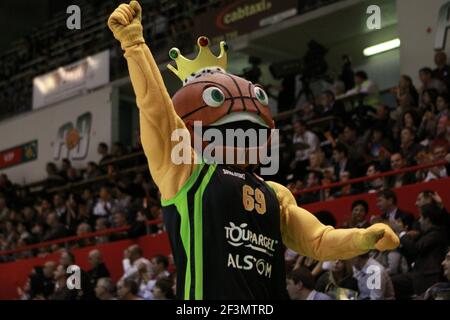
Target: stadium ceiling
19 17
340 27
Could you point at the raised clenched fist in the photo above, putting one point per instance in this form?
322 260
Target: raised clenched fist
125 23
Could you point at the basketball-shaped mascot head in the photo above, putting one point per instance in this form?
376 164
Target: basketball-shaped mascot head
215 98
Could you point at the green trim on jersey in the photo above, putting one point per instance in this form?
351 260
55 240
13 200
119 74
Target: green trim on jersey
185 230
180 200
186 186
198 227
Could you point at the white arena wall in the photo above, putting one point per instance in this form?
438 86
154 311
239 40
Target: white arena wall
68 129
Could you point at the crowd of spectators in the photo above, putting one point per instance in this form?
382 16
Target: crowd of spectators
142 279
366 137
107 197
362 137
418 269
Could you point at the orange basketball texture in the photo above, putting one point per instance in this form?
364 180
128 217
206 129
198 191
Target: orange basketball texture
239 96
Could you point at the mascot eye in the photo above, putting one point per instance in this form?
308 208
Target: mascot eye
213 97
261 95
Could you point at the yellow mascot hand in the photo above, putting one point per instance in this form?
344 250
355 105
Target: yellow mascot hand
378 236
125 23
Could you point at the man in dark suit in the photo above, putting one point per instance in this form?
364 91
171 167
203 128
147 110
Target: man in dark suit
399 162
99 269
342 162
387 203
427 252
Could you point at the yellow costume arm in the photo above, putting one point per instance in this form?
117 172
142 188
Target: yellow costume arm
303 233
158 118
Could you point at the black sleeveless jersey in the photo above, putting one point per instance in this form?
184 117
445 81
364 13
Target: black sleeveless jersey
224 229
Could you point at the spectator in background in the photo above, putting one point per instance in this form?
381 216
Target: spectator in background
158 269
429 82
92 171
354 144
89 198
140 227
427 127
132 260
300 286
59 206
56 229
127 289
387 204
442 71
409 148
82 230
406 85
404 105
119 221
441 290
163 290
117 150
338 281
123 199
53 178
72 175
398 180
442 131
37 232
409 120
308 111
446 265
101 224
61 291
364 268
346 189
366 86
376 184
426 252
442 105
65 166
313 179
428 101
393 260
105 204
360 211
98 268
384 120
102 150
342 162
333 108
4 210
317 161
432 197
304 142
104 289
438 153
48 280
378 146
66 259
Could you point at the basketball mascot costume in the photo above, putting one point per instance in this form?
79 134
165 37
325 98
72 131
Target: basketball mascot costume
228 227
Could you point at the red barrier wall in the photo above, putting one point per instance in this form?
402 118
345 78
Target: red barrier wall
406 196
14 274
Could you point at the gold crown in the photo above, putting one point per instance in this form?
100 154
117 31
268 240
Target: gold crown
205 58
